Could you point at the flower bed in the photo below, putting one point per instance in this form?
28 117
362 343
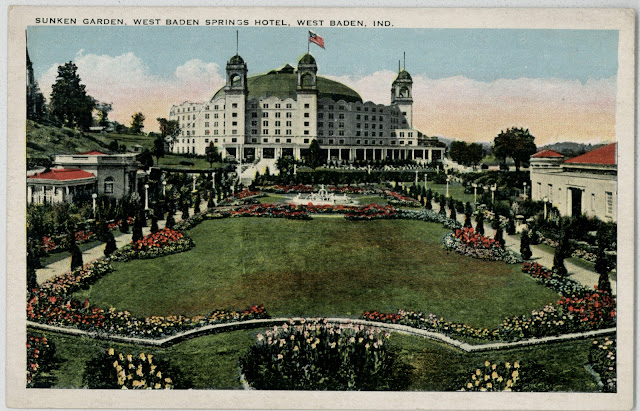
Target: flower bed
271 211
371 212
399 200
111 370
429 216
320 356
161 243
587 312
602 357
291 189
471 244
40 352
494 377
558 283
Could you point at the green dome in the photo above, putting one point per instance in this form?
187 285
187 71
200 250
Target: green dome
282 84
403 75
307 59
236 60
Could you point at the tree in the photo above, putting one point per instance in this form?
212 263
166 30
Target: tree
467 221
285 166
480 223
525 248
110 246
154 224
563 250
429 198
515 143
103 110
603 265
137 230
314 156
499 237
158 148
511 225
443 206
70 103
452 214
137 122
36 104
212 154
169 130
171 221
145 158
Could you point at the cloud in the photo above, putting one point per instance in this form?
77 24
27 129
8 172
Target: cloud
128 83
459 107
456 107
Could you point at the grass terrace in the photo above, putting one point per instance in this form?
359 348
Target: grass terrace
210 362
323 267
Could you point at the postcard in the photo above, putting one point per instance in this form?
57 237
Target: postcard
320 208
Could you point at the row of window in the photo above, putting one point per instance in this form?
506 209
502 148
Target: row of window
608 198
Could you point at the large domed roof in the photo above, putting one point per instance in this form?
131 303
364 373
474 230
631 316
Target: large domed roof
282 84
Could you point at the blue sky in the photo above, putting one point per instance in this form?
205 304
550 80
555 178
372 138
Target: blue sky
478 54
468 83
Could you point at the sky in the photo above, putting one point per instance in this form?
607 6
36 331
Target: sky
469 84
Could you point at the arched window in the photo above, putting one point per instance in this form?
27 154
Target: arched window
404 92
235 80
108 185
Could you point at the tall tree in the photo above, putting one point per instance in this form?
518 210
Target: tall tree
36 104
103 110
169 130
70 103
314 156
158 148
212 154
137 122
516 143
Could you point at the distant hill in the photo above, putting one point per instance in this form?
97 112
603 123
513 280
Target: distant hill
45 141
570 149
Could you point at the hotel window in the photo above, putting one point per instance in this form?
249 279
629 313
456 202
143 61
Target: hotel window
265 140
358 125
401 142
265 106
234 132
341 141
277 105
277 139
366 109
366 141
288 105
206 132
288 140
380 142
215 141
234 114
288 132
254 131
539 191
206 124
188 133
278 115
341 116
215 115
608 202
206 115
306 105
265 131
593 202
265 123
358 117
330 141
254 140
357 141
215 132
265 114
206 140
254 124
330 116
366 125
277 133
320 115
306 141
402 134
215 107
234 140
288 124
393 143
331 125
306 132
550 192
306 115
366 118
277 124
108 185
306 124
288 114
234 123
358 134
254 115
341 125
320 124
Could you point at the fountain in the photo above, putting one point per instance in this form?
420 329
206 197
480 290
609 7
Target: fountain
323 197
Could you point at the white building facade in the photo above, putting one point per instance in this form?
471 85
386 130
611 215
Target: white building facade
281 112
586 184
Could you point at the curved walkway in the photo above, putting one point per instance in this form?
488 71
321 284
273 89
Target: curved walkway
269 322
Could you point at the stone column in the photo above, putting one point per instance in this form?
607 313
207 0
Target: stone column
29 194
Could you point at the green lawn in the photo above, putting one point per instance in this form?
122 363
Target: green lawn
173 160
323 267
211 361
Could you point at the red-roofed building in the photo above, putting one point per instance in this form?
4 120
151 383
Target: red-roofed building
586 184
81 175
60 185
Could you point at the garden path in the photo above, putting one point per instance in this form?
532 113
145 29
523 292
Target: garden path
63 266
584 276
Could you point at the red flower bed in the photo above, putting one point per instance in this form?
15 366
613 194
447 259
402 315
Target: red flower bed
595 308
48 244
370 212
271 210
82 236
469 237
536 270
158 239
382 317
39 355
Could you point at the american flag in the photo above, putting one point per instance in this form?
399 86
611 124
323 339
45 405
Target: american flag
315 39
